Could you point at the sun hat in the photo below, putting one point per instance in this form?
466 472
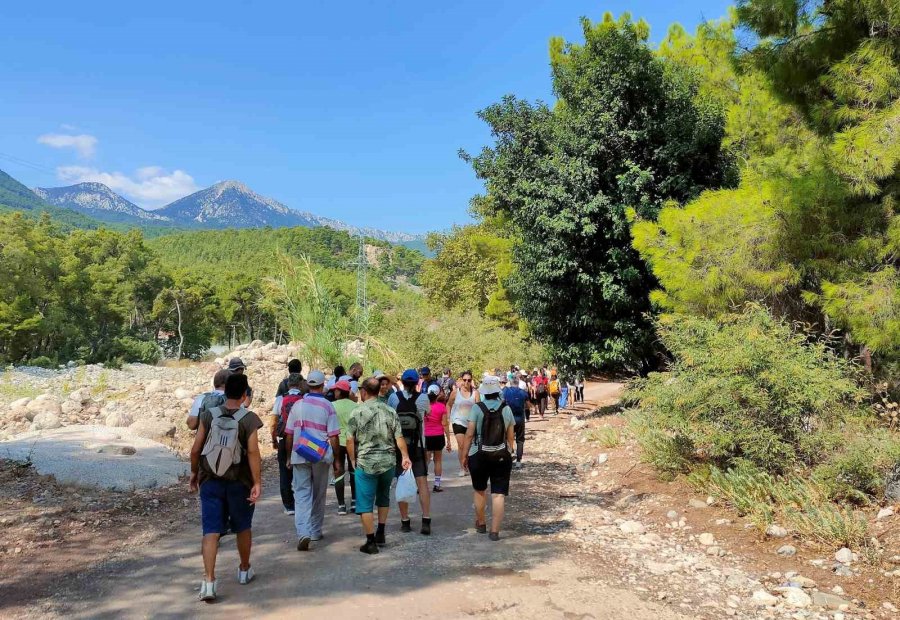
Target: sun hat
315 378
489 385
434 389
409 374
342 385
236 363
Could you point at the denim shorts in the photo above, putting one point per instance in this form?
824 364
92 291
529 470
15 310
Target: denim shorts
373 490
224 506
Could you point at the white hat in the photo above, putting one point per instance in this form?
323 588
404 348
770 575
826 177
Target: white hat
315 378
434 389
489 385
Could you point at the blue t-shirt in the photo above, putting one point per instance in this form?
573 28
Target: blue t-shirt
515 397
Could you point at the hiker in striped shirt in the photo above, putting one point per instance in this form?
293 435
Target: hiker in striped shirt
312 430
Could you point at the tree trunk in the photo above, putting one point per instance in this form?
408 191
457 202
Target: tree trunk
180 335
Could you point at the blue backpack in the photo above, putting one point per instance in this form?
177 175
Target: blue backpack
515 399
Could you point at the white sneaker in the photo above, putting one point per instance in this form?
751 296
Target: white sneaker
462 473
207 590
245 576
288 511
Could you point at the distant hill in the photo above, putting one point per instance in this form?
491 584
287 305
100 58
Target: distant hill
16 197
100 202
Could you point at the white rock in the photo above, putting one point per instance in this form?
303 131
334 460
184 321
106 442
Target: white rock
884 513
71 406
602 458
696 503
22 403
632 527
889 606
661 568
796 597
776 531
706 539
761 597
118 418
672 514
182 393
153 429
80 396
155 387
787 551
844 555
45 421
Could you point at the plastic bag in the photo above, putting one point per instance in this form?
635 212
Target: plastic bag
406 490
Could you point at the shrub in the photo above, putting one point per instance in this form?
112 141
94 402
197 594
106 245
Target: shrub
606 436
129 349
859 472
42 362
745 386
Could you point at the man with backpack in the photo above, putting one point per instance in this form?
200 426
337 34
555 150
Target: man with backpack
488 445
312 430
412 406
206 401
225 467
280 412
517 400
374 437
553 388
539 392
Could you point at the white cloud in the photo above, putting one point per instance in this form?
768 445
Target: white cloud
150 187
84 144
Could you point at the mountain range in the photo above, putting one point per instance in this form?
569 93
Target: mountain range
227 204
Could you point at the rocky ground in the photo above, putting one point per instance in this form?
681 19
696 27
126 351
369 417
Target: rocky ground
583 497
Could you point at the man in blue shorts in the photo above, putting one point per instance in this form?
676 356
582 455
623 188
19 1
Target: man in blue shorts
373 431
225 466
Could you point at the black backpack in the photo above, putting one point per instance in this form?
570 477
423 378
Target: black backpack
408 414
492 439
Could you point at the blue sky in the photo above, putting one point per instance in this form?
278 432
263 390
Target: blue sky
354 110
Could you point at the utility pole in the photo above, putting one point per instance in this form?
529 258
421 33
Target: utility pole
362 299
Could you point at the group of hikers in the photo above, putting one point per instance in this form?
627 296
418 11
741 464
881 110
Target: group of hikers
369 432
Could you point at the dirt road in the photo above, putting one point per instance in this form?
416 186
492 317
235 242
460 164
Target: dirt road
455 573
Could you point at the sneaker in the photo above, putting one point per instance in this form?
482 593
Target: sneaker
426 529
495 536
207 591
437 489
463 473
405 526
369 547
245 576
481 529
379 538
352 505
303 544
289 511
518 465
317 537
342 509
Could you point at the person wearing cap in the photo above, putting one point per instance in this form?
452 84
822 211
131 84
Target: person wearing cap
484 469
425 379
412 406
315 417
343 469
437 433
236 365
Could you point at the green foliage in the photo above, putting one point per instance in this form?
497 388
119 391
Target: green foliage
468 272
743 387
605 437
42 362
859 471
628 130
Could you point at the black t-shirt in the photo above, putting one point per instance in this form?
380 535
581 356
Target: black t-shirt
283 387
246 426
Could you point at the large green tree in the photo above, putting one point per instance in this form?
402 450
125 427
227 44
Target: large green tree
629 130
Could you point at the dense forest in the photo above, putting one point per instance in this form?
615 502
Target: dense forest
719 214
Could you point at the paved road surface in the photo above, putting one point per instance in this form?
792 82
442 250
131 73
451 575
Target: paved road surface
455 573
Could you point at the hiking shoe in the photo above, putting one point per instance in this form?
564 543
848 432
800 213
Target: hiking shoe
342 509
369 547
303 544
207 591
481 529
379 539
426 529
495 536
352 505
437 489
289 511
317 537
405 526
245 576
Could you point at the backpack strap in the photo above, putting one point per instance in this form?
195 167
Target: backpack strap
217 412
240 414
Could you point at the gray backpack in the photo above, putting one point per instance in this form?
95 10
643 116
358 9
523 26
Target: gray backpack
223 447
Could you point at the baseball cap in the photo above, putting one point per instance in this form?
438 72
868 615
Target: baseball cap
342 385
489 385
409 374
425 370
236 363
434 389
315 378
378 374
